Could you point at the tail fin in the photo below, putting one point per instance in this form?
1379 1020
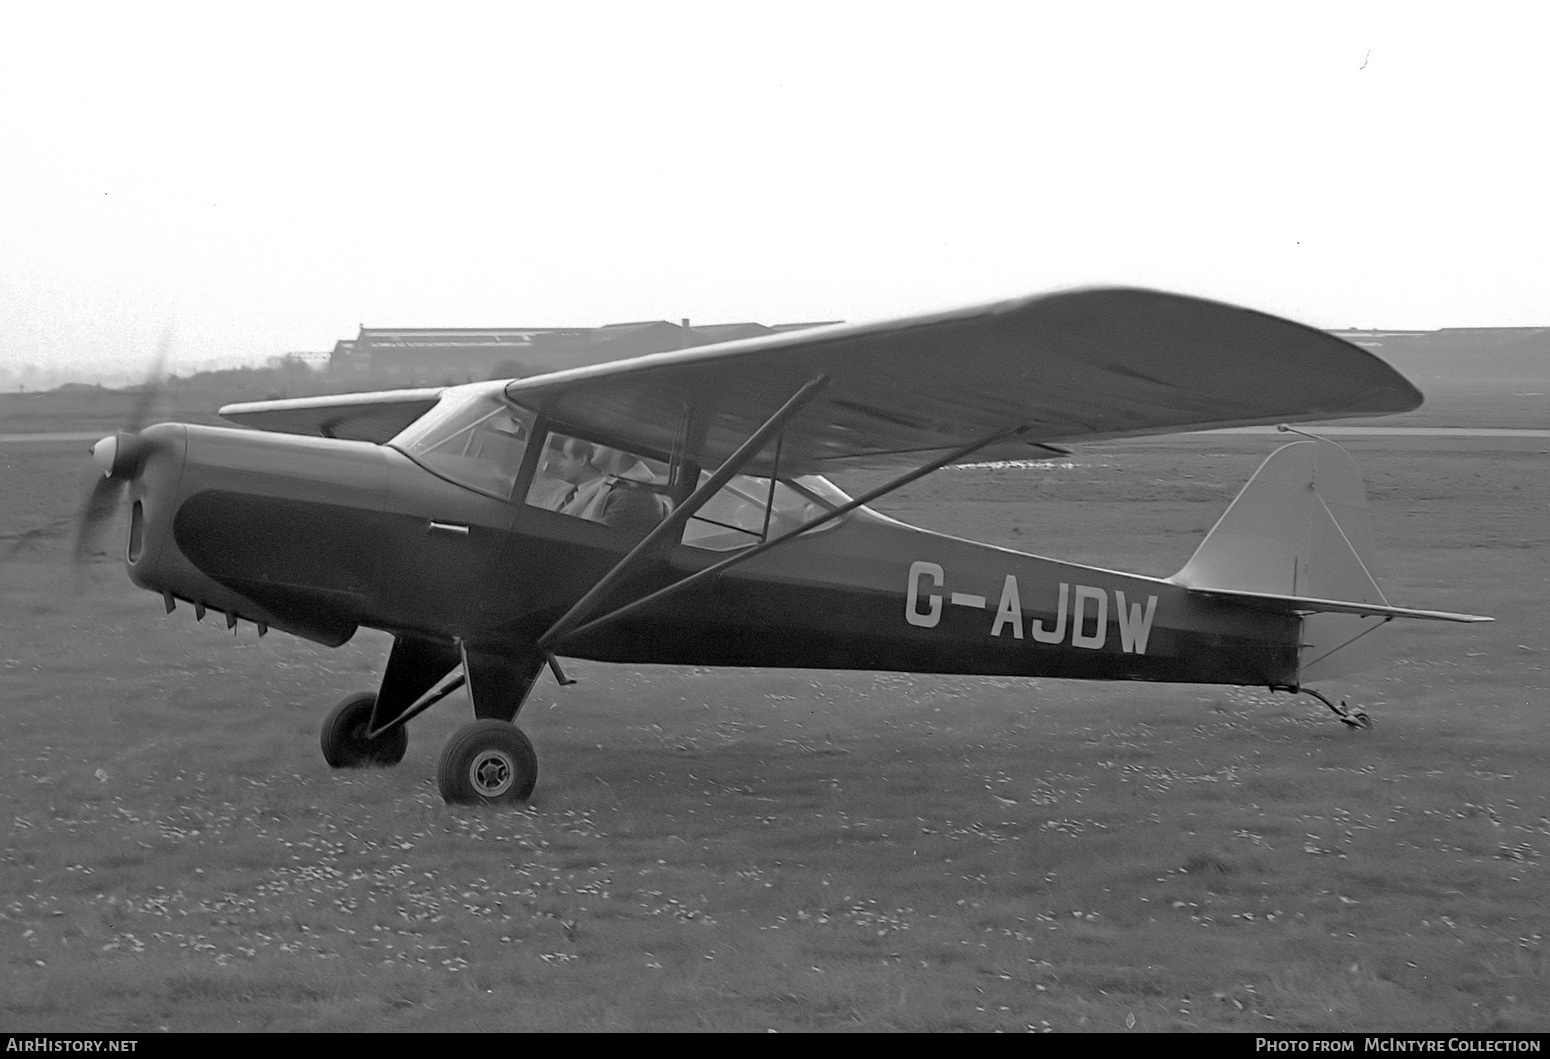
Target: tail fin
1299 528
1298 540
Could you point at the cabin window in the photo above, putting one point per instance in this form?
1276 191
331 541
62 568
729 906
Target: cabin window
473 438
746 511
599 483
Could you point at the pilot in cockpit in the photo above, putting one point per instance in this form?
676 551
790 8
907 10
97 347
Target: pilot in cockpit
604 485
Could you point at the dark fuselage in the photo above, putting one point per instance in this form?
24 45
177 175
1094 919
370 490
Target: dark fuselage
319 536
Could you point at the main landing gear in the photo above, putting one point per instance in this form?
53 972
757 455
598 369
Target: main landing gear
487 762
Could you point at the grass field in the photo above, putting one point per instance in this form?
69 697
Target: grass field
789 850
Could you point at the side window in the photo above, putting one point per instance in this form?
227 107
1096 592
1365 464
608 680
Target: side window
746 511
589 481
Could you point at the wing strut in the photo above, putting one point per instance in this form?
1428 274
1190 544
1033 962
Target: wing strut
548 639
674 522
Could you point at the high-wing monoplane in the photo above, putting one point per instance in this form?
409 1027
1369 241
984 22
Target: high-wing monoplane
673 509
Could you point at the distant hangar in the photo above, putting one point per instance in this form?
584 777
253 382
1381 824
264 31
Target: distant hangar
460 354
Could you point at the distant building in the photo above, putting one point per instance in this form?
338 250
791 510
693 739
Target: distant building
311 361
732 332
430 355
341 358
438 354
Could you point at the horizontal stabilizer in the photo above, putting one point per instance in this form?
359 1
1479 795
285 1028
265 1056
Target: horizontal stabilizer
1307 605
1297 540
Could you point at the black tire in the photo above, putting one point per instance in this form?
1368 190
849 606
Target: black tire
487 763
344 741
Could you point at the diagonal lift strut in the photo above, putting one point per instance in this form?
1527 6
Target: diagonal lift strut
670 526
570 623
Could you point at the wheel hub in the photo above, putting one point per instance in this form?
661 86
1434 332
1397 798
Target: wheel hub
491 773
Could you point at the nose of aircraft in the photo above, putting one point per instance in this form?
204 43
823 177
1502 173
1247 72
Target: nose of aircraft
277 529
123 458
120 455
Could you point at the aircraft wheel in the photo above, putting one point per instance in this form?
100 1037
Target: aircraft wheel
487 762
344 741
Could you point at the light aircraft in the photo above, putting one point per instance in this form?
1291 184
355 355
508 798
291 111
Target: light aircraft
452 518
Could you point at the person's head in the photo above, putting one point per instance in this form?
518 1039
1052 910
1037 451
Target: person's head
573 462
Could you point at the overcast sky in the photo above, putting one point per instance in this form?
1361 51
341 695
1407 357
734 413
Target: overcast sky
273 176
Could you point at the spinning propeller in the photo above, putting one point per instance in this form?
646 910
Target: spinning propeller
119 455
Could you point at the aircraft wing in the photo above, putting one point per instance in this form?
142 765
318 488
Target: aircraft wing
357 416
1075 365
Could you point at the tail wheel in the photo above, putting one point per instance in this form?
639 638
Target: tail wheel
487 762
344 741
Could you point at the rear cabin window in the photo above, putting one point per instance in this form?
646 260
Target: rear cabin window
746 511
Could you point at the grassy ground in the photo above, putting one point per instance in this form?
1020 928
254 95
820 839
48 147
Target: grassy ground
750 850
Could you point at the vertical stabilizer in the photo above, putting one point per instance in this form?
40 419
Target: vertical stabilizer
1300 528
